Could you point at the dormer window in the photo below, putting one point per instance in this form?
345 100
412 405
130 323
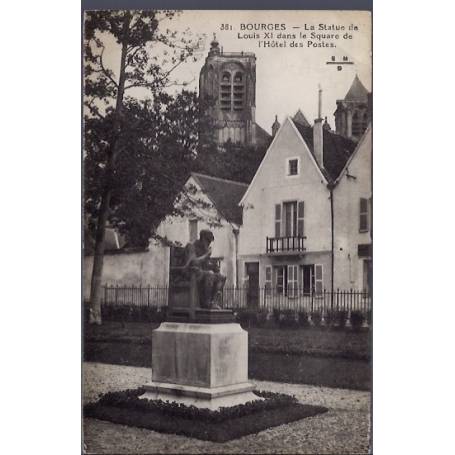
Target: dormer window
292 168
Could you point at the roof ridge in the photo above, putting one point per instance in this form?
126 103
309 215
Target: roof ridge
198 174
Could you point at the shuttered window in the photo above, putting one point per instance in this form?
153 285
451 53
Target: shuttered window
293 281
277 220
300 214
268 280
363 215
300 279
318 281
290 218
279 279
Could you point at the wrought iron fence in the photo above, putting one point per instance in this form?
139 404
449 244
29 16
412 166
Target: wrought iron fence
135 295
264 299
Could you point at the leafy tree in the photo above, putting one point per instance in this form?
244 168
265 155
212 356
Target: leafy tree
137 152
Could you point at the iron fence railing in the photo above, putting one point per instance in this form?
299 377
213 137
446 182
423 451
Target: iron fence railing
263 299
285 244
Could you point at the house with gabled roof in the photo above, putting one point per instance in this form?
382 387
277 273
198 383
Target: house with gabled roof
216 207
288 237
353 219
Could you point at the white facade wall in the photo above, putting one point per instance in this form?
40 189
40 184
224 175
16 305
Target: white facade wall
272 186
347 194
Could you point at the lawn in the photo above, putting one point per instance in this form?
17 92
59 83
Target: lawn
308 341
308 356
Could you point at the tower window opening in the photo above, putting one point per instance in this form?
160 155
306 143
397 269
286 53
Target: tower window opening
238 91
356 125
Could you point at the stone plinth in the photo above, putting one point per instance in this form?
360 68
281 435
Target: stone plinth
205 365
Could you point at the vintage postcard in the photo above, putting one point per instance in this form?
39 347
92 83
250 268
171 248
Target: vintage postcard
228 244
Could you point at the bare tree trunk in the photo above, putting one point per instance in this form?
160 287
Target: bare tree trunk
98 258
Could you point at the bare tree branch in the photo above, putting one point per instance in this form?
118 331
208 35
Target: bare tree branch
156 82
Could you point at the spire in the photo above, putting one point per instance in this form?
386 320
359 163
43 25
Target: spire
357 92
214 46
276 126
326 125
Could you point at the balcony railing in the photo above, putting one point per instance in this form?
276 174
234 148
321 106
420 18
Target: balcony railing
284 244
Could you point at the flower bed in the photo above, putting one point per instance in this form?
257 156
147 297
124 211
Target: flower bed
127 408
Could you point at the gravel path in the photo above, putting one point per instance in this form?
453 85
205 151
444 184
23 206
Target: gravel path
344 429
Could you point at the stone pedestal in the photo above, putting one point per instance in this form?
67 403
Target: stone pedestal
205 365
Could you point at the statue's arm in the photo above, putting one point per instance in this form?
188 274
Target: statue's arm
192 259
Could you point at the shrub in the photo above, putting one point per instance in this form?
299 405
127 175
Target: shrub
246 317
329 318
336 318
276 315
133 313
261 318
342 317
316 318
302 318
288 319
357 319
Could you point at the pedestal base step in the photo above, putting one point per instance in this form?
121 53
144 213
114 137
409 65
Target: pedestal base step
201 397
201 316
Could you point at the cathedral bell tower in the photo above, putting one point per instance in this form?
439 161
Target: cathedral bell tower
353 113
228 80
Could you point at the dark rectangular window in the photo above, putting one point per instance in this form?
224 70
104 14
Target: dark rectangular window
293 167
290 218
277 220
364 250
363 215
300 218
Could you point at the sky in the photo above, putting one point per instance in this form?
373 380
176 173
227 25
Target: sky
286 78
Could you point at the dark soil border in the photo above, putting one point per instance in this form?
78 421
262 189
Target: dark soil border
217 426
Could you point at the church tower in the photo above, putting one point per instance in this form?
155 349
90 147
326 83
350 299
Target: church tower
353 113
228 79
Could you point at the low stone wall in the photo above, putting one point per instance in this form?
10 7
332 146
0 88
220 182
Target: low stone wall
145 268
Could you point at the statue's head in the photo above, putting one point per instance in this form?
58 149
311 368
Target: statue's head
206 236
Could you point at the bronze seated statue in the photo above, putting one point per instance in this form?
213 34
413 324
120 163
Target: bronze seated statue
195 280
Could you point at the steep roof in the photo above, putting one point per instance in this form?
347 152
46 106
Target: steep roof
225 195
357 92
262 137
299 117
337 149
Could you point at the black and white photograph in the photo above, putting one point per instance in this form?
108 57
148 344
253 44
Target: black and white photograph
227 199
